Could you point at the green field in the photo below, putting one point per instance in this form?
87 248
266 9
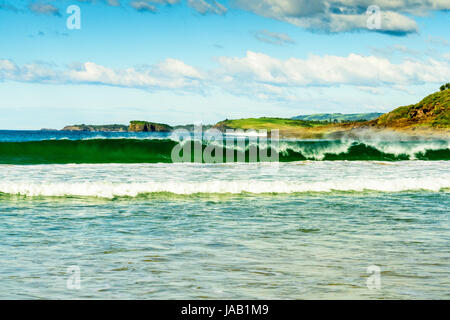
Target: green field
268 123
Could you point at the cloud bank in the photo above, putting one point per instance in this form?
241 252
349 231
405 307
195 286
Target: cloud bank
332 16
170 74
255 74
353 69
345 15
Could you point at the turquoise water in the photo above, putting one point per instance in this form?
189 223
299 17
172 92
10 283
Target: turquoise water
291 230
275 247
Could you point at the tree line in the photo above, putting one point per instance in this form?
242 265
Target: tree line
445 86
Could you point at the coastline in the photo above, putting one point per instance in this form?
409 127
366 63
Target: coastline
331 131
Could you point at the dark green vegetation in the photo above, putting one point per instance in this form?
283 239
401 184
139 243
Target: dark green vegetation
445 86
433 111
145 126
338 117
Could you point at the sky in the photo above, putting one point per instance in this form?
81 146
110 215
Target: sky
202 61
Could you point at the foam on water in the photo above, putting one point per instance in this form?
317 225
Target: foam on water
111 190
132 180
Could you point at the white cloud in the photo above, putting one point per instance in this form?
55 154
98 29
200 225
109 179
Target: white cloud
255 75
179 68
36 72
333 70
276 38
397 16
43 8
169 74
143 6
345 15
207 6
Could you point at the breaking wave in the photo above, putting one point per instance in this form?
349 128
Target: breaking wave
160 150
114 190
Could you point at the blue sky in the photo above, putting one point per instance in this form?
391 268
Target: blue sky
177 61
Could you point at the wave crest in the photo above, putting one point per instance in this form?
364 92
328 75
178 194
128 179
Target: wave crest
159 151
114 190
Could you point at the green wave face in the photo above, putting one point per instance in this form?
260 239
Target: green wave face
86 151
160 150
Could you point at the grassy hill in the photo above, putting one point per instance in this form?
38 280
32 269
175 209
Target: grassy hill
429 116
340 117
287 127
266 123
433 111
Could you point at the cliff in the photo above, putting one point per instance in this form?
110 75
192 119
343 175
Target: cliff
135 126
97 128
145 126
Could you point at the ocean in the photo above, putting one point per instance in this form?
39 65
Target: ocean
110 216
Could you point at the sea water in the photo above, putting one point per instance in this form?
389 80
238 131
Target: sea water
312 226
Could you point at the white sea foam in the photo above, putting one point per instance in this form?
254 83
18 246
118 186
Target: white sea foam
111 190
249 133
116 180
409 149
317 152
397 148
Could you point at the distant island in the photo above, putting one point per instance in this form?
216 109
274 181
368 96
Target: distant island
429 116
134 126
93 128
145 126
